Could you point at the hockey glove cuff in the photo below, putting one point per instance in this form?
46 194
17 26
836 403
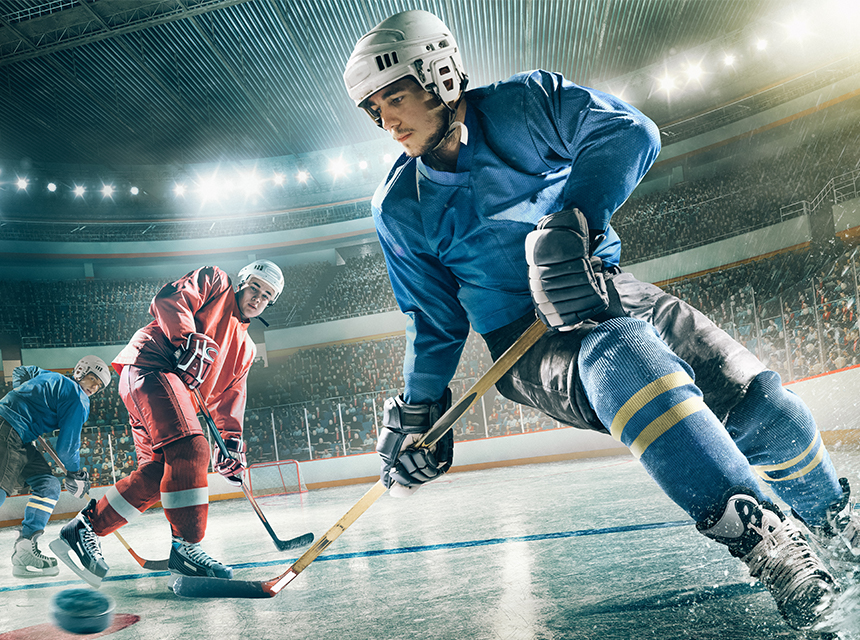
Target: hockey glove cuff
403 425
566 282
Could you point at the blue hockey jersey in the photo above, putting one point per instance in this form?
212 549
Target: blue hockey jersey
454 241
42 401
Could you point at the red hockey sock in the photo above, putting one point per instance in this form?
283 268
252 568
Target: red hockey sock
127 499
185 488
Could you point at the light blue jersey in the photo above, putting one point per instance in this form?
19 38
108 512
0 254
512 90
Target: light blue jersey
43 401
454 241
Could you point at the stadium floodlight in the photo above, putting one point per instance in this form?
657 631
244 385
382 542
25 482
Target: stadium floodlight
211 188
52 186
22 184
79 191
797 29
667 83
134 191
694 72
729 60
278 178
761 44
362 165
337 167
107 190
250 183
179 190
302 176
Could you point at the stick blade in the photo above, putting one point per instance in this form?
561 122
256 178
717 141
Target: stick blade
295 543
155 565
204 587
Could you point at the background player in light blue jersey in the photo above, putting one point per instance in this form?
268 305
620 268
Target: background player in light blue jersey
501 204
40 402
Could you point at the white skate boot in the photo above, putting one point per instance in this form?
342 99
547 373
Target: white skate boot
29 562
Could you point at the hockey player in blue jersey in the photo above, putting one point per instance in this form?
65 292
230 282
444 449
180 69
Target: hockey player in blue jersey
499 206
40 402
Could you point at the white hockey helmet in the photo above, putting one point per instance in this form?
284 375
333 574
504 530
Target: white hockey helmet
92 364
413 44
268 272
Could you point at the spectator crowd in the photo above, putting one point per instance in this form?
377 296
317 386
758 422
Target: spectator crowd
795 310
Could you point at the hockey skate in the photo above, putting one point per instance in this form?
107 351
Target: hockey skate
78 537
778 555
29 562
189 559
838 539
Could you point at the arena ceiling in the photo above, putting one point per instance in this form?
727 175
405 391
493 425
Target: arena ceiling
145 82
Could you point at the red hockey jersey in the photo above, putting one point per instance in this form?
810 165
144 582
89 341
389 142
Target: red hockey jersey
202 301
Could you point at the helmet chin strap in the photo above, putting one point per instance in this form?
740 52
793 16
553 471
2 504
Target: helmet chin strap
453 127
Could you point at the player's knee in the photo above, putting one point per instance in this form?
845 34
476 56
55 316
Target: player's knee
192 450
625 338
45 486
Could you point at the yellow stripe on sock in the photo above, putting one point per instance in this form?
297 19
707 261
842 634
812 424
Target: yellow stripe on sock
41 507
665 422
47 501
761 470
645 395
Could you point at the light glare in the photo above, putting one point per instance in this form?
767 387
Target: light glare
22 183
337 166
666 83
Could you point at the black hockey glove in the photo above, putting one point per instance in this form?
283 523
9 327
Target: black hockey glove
77 483
566 282
403 425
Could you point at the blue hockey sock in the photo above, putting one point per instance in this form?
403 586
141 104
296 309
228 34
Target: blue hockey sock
646 396
45 493
776 432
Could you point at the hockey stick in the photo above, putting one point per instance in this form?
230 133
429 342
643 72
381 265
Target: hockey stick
152 565
282 545
200 587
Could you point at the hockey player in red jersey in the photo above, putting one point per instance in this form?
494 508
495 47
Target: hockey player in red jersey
197 340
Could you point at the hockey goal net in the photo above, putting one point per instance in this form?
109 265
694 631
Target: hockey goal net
275 478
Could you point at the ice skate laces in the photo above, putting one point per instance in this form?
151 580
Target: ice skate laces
194 552
90 540
37 553
785 563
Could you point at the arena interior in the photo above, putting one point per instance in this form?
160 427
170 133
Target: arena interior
141 140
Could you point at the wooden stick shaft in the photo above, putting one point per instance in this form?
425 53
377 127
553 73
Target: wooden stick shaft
493 374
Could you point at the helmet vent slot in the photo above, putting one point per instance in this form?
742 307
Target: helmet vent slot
386 60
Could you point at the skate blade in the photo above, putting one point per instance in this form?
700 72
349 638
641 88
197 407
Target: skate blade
65 555
34 572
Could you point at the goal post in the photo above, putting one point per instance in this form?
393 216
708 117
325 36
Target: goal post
275 478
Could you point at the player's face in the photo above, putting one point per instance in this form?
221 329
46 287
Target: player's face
91 384
254 297
415 118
